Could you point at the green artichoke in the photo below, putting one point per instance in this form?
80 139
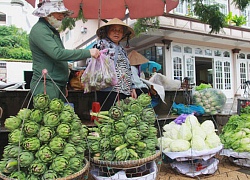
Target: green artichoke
49 174
16 136
122 155
36 115
76 124
41 101
68 107
32 177
143 128
57 144
151 143
63 130
104 143
11 151
37 168
132 136
56 105
107 155
51 119
31 128
20 175
132 120
31 144
45 154
26 158
12 123
116 140
75 138
84 131
75 164
8 165
69 151
45 134
148 115
144 99
135 107
115 112
24 114
66 116
59 164
120 127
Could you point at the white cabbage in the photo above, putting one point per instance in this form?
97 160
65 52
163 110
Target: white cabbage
198 143
184 132
208 126
179 145
164 142
213 140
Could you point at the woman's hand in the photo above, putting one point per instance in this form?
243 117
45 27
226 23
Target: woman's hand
133 94
95 53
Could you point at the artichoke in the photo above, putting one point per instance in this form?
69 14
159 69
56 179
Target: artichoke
143 128
49 174
37 168
51 119
24 114
105 129
144 99
20 175
36 115
45 134
8 166
148 115
84 131
31 128
151 143
135 107
107 155
32 177
12 123
57 144
63 130
116 140
122 155
59 164
69 151
115 112
26 158
56 105
66 116
76 124
104 143
41 101
11 151
31 144
132 120
152 132
132 136
75 164
75 138
120 127
45 154
16 136
68 107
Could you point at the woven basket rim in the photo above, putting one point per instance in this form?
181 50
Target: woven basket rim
129 163
75 175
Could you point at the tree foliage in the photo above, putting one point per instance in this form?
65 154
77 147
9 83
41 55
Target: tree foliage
14 43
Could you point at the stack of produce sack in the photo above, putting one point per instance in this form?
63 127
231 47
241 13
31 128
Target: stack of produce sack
235 137
191 145
125 132
47 142
212 100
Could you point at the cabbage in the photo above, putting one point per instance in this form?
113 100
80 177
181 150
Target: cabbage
198 131
170 126
164 142
184 132
212 140
179 145
208 126
198 143
192 121
172 134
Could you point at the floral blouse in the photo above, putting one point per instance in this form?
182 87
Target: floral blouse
122 66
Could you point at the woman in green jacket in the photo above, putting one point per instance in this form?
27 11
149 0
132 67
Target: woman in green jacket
49 53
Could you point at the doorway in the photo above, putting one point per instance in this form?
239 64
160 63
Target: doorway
204 70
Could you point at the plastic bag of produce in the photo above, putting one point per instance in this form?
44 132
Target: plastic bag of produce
212 100
100 73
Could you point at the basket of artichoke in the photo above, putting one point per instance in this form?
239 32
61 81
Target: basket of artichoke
46 142
125 135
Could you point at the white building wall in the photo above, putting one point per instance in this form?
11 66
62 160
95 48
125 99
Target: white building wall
15 71
18 15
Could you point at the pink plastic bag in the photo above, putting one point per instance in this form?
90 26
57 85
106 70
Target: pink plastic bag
100 73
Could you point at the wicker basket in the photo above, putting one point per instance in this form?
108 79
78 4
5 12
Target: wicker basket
126 164
80 175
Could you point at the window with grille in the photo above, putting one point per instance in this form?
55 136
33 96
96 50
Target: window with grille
227 75
218 75
177 63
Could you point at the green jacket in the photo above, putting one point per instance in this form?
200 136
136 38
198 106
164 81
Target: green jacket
49 53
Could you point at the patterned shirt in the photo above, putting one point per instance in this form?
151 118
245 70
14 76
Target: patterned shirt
122 66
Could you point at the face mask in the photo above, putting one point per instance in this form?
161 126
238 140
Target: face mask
54 22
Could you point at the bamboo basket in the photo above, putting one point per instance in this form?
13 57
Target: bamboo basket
126 164
80 175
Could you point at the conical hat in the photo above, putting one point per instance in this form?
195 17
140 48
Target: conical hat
130 32
136 58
